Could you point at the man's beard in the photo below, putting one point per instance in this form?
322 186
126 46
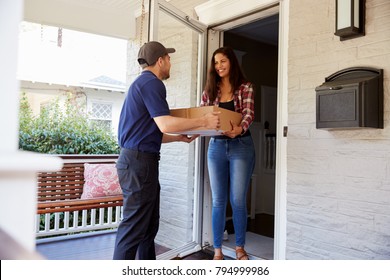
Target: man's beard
166 77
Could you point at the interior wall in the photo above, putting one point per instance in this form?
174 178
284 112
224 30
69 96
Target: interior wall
260 63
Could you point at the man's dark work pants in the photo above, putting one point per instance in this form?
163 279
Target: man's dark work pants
138 177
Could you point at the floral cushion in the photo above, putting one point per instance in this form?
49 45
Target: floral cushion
100 180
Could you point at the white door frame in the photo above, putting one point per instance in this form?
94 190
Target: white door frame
223 16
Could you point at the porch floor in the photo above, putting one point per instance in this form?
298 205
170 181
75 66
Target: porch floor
93 247
100 246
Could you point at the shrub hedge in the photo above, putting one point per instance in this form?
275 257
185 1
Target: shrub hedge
63 129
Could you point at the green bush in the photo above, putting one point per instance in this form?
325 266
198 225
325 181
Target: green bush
63 129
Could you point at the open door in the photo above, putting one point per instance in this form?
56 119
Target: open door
181 202
254 38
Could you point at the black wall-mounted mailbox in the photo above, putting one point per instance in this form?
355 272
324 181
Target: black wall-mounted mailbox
351 98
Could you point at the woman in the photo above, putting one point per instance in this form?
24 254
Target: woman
231 156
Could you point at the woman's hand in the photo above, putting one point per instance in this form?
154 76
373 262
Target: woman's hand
235 131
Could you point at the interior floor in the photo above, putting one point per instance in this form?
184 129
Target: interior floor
259 237
262 224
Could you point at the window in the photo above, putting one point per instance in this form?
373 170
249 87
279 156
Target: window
101 112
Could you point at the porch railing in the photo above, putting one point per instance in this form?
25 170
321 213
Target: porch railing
80 220
53 224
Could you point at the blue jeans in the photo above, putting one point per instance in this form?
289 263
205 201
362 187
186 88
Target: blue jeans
230 165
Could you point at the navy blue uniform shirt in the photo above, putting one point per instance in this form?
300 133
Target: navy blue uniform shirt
145 100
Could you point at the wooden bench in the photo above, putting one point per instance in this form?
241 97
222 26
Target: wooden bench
61 191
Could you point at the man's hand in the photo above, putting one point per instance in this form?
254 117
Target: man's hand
167 138
187 138
212 120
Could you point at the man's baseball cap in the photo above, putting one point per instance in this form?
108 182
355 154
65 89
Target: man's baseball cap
150 52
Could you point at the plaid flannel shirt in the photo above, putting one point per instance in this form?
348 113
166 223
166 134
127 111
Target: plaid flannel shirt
244 103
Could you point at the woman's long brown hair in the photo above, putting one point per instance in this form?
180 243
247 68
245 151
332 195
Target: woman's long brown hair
236 76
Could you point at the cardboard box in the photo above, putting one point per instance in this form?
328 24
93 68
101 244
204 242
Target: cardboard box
195 112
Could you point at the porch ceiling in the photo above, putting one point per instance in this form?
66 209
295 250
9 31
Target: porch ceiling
114 18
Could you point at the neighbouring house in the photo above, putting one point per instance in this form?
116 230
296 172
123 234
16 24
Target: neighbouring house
325 191
101 97
55 61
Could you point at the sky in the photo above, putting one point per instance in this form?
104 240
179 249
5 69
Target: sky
81 57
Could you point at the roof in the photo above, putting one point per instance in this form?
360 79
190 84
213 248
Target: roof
105 82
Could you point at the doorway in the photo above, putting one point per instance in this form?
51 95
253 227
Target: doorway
254 20
256 47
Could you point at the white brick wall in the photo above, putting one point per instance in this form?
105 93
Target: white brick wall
338 185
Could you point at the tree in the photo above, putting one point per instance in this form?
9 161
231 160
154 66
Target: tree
63 129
